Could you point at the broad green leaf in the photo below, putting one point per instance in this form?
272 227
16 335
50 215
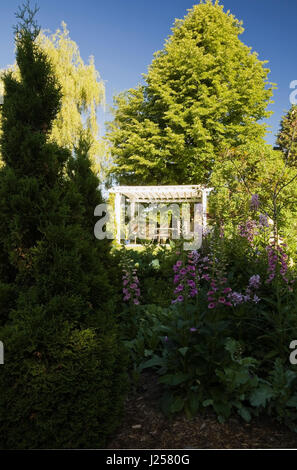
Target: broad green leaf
261 395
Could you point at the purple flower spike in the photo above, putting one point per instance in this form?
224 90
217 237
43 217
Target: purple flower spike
255 202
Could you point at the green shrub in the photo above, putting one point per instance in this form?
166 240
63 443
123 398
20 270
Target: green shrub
66 393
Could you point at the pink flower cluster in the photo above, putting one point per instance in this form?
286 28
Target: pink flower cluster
184 280
277 259
222 294
187 277
218 293
131 290
201 265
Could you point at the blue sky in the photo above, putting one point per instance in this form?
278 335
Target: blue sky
122 35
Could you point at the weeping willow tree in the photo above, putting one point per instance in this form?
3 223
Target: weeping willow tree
82 89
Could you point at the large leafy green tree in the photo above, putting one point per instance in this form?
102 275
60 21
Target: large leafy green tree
255 168
204 92
63 379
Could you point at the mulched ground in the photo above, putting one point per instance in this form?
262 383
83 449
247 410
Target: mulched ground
145 427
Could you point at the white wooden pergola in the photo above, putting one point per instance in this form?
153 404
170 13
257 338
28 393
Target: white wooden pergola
158 194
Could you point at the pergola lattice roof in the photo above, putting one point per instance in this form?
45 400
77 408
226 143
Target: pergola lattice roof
183 193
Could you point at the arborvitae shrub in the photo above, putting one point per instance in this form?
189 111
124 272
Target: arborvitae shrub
63 381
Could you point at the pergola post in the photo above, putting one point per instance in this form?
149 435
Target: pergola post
132 219
204 209
118 209
198 224
132 209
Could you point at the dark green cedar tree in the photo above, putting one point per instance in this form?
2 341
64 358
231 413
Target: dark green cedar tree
63 381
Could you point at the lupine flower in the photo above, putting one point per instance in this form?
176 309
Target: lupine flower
254 204
248 230
263 221
256 299
255 281
236 298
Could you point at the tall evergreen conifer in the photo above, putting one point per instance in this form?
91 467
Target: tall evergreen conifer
63 379
287 136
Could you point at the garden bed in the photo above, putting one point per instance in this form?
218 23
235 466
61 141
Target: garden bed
145 427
